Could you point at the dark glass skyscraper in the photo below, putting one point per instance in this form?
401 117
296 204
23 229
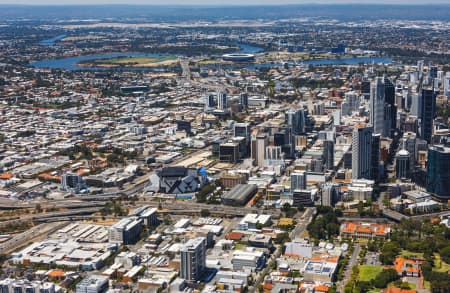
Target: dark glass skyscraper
438 171
428 112
391 107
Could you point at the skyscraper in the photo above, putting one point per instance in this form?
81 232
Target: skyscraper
221 101
391 107
377 106
361 152
375 157
296 120
209 102
428 113
258 148
298 181
330 194
438 170
402 164
242 130
243 100
328 154
193 259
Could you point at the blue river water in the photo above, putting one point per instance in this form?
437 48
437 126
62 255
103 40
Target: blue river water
71 63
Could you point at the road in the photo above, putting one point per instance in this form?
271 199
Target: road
297 231
302 224
353 261
23 238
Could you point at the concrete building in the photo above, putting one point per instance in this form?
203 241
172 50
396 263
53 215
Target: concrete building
258 148
126 231
403 164
302 197
298 248
93 284
222 101
229 152
298 181
72 182
193 259
330 194
249 259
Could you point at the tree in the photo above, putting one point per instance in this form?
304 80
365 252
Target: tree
445 254
205 213
388 253
286 207
385 277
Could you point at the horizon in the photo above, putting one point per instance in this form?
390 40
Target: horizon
221 3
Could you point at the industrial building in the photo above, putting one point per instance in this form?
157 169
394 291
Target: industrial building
240 194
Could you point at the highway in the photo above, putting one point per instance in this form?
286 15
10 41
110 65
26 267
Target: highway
23 238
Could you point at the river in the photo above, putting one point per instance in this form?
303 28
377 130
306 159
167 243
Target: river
72 63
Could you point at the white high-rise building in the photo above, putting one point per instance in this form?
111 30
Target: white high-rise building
193 259
298 181
377 106
221 101
361 152
447 85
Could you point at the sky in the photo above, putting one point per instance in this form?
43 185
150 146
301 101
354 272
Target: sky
217 2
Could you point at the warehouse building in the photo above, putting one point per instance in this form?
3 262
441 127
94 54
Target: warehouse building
240 194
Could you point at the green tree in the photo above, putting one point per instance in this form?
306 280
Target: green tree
205 213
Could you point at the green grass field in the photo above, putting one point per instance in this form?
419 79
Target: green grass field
408 254
440 265
135 60
240 246
367 272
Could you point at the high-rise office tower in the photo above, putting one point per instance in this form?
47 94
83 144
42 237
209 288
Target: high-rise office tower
243 100
222 101
403 164
365 88
428 113
377 106
375 157
258 148
296 120
242 130
433 72
328 154
283 137
72 182
447 85
193 259
390 108
209 102
438 171
298 181
330 194
361 152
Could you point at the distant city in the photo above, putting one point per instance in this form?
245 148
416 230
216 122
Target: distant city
278 148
